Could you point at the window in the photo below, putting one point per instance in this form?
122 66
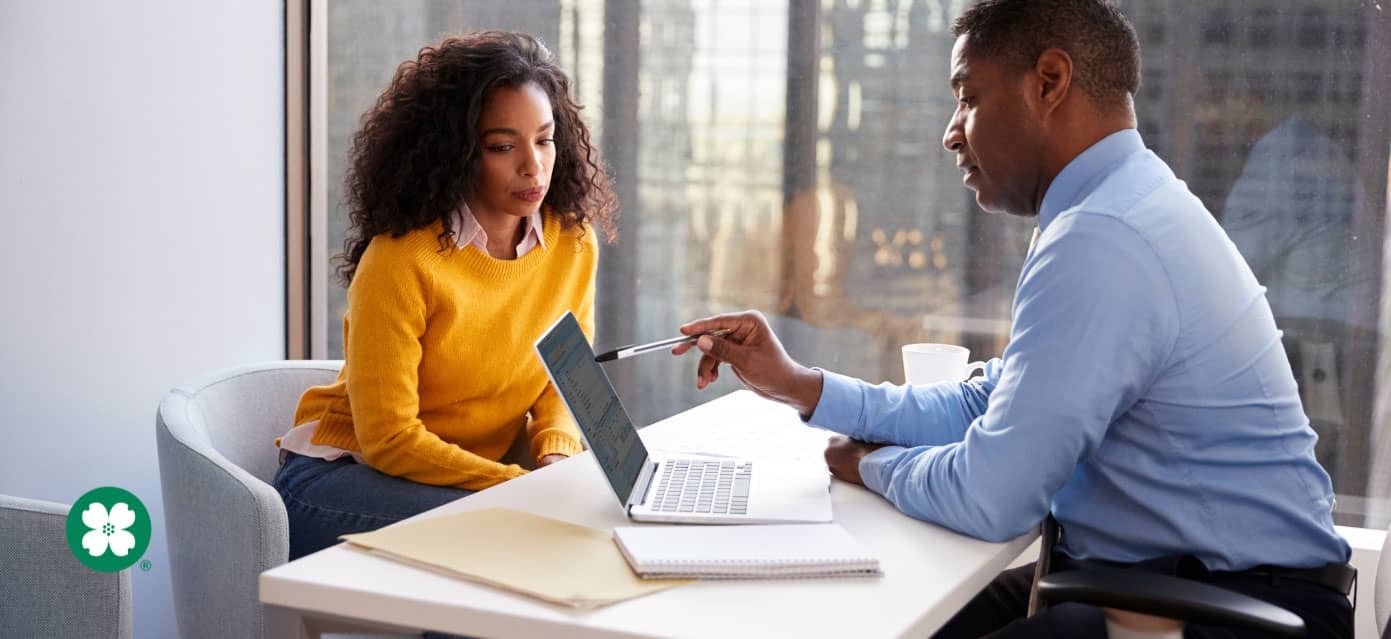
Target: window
1217 28
786 156
1313 29
1262 29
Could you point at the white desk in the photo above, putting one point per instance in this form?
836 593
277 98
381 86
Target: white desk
929 572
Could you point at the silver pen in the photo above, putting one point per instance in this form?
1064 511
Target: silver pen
638 349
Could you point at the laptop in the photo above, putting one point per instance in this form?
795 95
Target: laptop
689 489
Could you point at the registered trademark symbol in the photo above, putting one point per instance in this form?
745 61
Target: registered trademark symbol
145 565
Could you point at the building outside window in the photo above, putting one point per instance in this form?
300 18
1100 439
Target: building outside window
786 156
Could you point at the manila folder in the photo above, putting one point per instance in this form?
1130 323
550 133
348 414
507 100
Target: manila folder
553 560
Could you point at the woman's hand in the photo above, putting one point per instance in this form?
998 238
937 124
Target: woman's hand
549 459
756 356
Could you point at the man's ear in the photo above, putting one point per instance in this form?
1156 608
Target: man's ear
1053 71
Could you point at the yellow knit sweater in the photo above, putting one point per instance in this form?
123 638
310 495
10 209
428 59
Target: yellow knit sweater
440 371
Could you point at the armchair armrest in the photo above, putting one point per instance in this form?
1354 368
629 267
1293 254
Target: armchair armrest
1168 596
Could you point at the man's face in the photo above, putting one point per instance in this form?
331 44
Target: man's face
994 133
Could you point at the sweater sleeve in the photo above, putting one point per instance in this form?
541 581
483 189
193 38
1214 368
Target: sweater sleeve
388 303
552 430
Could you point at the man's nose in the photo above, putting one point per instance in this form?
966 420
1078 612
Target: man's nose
953 139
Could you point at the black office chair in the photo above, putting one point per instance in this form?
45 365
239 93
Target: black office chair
1154 594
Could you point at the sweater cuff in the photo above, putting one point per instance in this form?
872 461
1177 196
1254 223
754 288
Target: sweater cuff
554 442
509 472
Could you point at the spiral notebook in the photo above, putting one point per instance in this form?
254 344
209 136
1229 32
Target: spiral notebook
744 552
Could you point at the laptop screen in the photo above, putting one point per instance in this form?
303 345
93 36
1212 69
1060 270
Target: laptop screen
593 403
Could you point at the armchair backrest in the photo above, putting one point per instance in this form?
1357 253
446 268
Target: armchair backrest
45 590
224 522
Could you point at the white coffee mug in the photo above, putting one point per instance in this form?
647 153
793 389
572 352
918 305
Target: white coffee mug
931 363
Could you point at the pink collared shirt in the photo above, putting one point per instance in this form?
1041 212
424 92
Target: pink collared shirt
467 231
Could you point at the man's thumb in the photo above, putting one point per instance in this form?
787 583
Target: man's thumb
721 349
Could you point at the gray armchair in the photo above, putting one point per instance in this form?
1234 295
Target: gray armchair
224 521
47 592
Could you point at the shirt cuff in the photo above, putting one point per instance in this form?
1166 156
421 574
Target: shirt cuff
874 467
841 404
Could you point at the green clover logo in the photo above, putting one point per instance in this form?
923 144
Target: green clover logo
108 529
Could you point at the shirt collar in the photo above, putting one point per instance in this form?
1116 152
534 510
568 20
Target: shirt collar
467 230
1073 182
536 228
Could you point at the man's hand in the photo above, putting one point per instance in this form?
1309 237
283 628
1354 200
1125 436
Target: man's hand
843 456
549 459
756 356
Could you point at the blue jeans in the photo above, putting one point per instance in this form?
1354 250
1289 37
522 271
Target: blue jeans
325 499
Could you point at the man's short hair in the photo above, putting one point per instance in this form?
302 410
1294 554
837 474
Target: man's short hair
1105 52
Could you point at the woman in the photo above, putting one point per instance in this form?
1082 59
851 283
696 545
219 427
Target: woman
472 187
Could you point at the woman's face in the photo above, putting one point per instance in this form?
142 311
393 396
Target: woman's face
516 134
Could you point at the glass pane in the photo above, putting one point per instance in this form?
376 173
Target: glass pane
1275 125
786 157
366 42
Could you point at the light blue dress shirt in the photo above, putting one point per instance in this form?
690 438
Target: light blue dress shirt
1144 398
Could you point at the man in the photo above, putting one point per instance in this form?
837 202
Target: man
1144 398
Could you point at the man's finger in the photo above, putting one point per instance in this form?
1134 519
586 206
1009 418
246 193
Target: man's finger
707 371
723 350
733 321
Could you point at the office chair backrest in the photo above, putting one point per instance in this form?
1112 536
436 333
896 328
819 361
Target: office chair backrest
1382 589
44 590
224 522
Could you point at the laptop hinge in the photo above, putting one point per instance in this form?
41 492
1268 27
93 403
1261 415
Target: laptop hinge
644 484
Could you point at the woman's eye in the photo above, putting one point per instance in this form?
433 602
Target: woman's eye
546 141
500 148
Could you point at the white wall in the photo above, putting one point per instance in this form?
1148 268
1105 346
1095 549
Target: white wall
142 200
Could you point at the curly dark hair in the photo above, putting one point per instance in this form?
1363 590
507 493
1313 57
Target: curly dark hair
415 158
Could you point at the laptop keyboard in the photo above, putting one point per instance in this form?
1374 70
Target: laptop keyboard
698 486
